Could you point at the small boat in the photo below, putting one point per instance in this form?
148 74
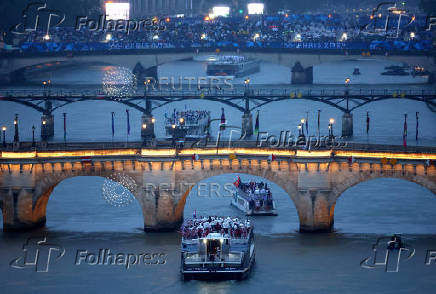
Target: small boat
217 248
395 73
395 242
356 71
187 124
253 198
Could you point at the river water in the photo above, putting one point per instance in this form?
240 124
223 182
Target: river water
79 219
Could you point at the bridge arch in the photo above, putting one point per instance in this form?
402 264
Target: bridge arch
418 176
44 189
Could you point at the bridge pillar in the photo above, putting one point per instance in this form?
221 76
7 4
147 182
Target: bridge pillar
47 126
18 212
147 127
315 211
347 124
159 210
247 124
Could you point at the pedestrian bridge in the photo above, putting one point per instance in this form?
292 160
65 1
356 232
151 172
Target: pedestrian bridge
314 180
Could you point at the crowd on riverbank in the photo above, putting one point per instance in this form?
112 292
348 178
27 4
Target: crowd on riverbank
265 31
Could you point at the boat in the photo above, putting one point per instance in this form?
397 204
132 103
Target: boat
187 124
235 66
217 248
395 242
356 71
253 198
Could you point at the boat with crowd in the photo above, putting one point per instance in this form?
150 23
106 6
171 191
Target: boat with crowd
235 66
187 124
216 247
253 198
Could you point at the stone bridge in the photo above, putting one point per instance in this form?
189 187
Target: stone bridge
16 65
314 180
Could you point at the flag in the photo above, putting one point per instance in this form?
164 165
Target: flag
307 123
319 117
271 157
237 182
195 156
128 122
256 126
223 120
113 124
417 126
405 131
367 123
65 126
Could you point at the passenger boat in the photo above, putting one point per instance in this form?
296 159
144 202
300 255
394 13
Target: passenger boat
236 66
187 124
217 248
253 198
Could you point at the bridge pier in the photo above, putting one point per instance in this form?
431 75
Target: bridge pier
247 124
47 126
347 124
18 210
147 127
315 211
159 210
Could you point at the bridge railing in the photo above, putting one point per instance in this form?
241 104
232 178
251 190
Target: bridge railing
235 92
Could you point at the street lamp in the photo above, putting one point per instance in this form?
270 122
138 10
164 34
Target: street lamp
182 120
144 126
331 122
4 136
247 84
153 120
16 135
33 136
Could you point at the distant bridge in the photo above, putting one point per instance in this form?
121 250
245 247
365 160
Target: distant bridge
19 65
314 180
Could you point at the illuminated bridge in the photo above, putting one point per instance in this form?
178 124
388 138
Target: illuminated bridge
164 176
244 99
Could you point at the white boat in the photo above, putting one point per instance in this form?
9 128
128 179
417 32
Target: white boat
217 252
253 198
236 66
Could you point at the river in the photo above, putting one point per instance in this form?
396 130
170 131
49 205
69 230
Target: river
79 219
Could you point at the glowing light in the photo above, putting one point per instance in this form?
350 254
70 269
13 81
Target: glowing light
412 35
206 18
46 37
167 19
3 129
246 17
119 82
297 38
255 8
117 11
303 120
344 37
256 36
44 122
144 126
203 36
247 81
347 81
155 37
220 11
173 126
108 37
182 120
332 121
153 120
